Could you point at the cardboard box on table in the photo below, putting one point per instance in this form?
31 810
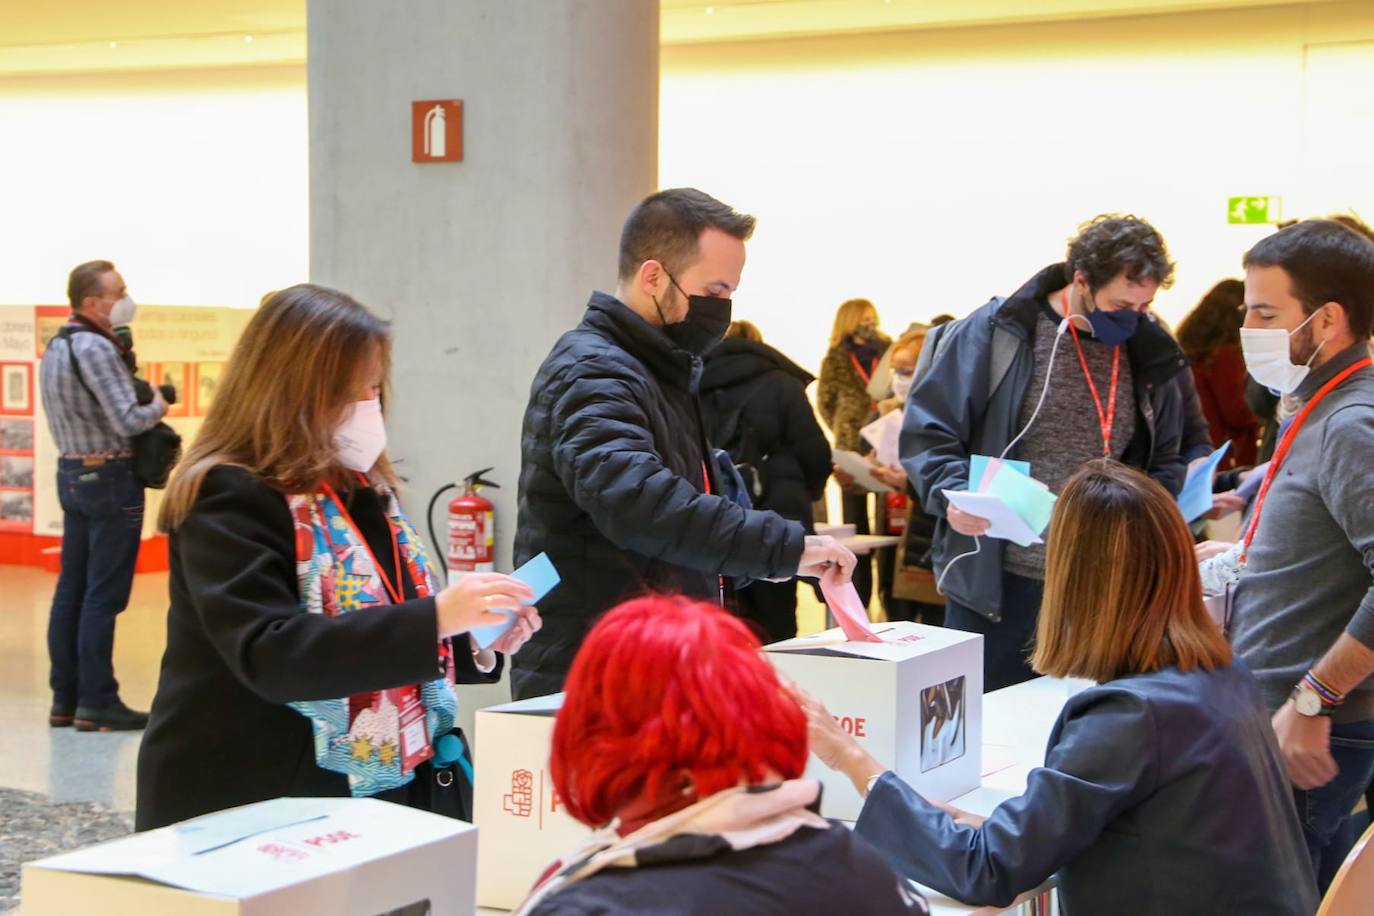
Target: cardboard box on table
522 826
286 857
914 701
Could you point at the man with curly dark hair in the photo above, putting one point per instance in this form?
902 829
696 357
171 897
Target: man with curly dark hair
1069 368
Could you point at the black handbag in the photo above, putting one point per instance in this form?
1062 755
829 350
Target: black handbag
156 451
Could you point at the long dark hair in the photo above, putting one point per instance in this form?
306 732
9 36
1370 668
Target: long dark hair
287 384
1215 321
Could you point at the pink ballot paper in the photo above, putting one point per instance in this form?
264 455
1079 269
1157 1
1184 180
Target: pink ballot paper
848 609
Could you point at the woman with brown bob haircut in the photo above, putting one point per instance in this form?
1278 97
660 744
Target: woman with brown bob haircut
1162 790
310 651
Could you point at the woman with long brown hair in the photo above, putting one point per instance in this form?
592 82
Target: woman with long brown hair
1162 790
309 650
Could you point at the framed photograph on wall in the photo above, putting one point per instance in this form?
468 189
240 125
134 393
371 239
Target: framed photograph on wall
178 375
16 435
16 471
207 383
16 510
16 388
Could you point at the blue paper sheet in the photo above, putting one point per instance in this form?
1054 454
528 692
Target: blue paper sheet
541 577
1028 498
978 465
1195 499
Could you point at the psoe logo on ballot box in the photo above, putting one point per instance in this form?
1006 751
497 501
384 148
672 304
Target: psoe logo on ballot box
520 800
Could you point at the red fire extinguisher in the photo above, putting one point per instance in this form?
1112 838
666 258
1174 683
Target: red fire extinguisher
471 529
898 505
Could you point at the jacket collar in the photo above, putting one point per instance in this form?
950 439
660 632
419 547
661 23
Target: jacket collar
1154 354
608 315
1330 369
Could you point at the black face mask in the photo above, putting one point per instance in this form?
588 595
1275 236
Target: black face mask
708 318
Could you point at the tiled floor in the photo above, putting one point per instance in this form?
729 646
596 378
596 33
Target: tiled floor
61 762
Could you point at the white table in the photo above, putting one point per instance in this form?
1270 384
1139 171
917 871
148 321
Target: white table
864 544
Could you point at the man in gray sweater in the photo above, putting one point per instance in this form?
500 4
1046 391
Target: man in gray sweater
1303 608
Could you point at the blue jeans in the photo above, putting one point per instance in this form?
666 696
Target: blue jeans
102 517
1323 810
1006 642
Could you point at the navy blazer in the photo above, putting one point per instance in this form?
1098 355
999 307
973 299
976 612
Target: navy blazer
1161 794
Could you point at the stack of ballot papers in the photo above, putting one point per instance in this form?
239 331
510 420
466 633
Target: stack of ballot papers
1002 491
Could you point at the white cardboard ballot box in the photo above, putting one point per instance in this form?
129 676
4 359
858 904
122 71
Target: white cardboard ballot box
285 857
523 827
914 701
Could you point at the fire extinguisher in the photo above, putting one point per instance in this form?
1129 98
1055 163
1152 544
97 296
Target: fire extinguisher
898 505
471 544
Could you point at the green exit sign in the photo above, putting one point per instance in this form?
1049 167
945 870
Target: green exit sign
1254 209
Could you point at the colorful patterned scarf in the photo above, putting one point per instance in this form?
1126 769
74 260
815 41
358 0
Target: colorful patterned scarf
375 739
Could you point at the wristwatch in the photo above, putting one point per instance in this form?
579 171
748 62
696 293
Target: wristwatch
1308 702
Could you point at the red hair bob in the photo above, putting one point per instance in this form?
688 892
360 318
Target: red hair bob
668 695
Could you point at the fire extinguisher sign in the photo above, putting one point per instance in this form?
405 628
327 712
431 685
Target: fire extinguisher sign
436 131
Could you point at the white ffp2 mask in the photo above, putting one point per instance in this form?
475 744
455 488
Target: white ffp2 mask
901 385
123 312
1268 357
361 437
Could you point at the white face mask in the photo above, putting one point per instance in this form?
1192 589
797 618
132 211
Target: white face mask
1269 360
361 436
123 312
901 385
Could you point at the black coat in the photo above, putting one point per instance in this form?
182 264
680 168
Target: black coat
239 648
766 392
612 487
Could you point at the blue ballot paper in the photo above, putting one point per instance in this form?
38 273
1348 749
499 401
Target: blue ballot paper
541 577
978 466
1028 498
1195 499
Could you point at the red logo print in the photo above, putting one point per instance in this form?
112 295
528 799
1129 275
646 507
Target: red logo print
520 801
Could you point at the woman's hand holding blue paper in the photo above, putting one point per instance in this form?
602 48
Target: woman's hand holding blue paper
479 599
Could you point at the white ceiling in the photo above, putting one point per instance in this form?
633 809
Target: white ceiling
55 36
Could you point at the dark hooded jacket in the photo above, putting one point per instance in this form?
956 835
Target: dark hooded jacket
755 404
951 415
614 480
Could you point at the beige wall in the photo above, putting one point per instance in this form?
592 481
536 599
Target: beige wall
930 170
193 182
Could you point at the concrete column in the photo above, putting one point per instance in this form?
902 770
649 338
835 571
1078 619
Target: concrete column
480 264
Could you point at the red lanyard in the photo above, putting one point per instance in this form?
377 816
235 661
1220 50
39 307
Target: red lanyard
394 590
858 367
1104 417
720 580
1286 443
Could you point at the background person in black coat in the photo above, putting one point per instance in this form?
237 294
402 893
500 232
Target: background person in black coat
242 642
616 476
755 406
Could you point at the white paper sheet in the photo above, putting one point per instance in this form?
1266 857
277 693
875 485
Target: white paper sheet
884 434
861 469
1005 523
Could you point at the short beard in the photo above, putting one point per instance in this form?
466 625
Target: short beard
1302 351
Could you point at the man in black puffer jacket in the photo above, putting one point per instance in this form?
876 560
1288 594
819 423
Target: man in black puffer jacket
617 481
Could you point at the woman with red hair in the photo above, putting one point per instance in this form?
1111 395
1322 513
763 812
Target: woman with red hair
678 741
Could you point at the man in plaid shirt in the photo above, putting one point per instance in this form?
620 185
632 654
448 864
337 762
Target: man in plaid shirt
93 415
